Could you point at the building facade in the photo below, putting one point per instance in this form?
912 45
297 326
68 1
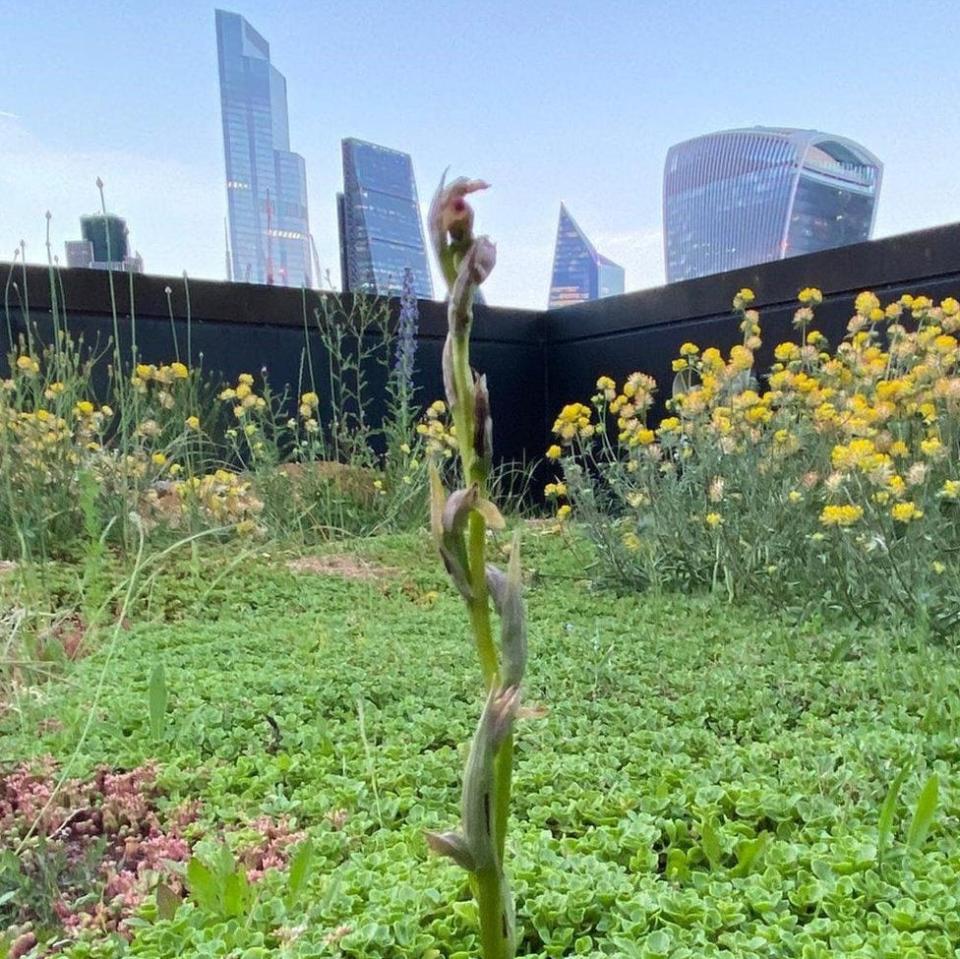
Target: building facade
266 182
579 271
741 197
105 245
381 230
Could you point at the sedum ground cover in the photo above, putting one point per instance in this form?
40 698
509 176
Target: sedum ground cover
254 757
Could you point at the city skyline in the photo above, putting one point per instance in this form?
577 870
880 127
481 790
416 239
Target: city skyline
160 151
266 182
736 198
579 272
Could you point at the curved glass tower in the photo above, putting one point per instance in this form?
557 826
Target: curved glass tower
579 272
740 197
266 183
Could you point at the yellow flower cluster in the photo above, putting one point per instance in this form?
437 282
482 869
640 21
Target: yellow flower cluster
243 397
440 434
573 423
222 497
865 434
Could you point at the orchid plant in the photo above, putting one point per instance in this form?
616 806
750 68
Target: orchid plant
459 523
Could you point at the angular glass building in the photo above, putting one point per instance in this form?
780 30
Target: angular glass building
741 197
579 272
266 183
381 232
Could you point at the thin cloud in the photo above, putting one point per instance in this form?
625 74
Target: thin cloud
9 115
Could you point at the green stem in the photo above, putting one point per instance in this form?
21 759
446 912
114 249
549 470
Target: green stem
490 898
502 782
479 605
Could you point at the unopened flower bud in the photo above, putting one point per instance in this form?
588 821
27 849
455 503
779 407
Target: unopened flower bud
477 800
449 383
506 591
482 424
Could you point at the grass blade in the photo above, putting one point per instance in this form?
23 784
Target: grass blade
157 693
887 812
924 813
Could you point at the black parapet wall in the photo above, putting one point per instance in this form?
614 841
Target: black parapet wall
237 327
535 361
644 331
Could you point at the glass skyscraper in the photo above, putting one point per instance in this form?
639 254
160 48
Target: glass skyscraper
381 232
741 197
266 183
579 272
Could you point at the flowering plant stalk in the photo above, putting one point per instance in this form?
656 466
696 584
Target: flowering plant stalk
459 523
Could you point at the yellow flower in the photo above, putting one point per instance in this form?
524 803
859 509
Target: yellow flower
83 408
679 365
145 370
179 370
554 452
158 459
631 541
840 515
905 512
810 296
228 394
713 520
563 513
310 399
192 422
606 383
865 303
28 365
950 306
794 496
743 299
245 379
689 349
931 447
951 489
53 390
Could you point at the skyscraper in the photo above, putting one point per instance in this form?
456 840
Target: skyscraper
741 197
579 272
266 183
381 232
105 245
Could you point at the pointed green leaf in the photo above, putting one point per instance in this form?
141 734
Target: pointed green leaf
167 901
887 812
203 886
923 814
710 842
157 692
299 872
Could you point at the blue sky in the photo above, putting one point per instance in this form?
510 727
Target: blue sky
549 101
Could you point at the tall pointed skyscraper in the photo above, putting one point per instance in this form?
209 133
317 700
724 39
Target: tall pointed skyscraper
381 232
579 271
741 197
266 183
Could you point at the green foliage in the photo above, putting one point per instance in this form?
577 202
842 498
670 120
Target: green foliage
719 789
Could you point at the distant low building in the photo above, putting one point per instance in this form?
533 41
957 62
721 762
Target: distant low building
381 232
740 197
579 271
105 245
